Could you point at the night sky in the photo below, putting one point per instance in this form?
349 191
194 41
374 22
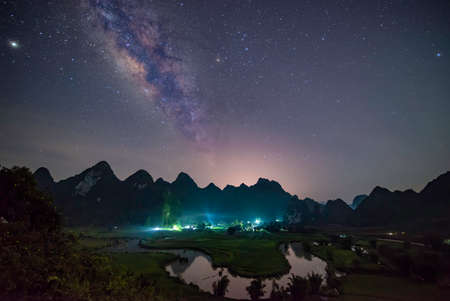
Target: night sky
329 98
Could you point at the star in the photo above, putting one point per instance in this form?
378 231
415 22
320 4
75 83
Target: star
14 44
438 54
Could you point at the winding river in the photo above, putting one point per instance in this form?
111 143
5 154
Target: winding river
196 267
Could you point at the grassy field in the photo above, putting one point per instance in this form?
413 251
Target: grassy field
241 253
343 260
237 252
95 243
151 266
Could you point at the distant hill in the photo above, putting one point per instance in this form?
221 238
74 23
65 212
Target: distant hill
358 200
337 212
426 209
97 196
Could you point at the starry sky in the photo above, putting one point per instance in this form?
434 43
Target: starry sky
329 98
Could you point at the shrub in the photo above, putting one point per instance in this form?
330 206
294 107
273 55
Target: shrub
315 281
40 262
329 254
356 263
220 287
277 294
427 265
434 241
406 244
347 243
307 246
231 230
334 238
297 287
373 256
404 263
274 227
256 289
332 280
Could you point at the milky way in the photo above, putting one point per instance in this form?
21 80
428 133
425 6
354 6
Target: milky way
140 48
329 98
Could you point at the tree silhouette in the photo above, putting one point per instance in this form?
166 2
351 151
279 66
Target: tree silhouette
220 287
315 281
278 293
171 209
297 287
256 289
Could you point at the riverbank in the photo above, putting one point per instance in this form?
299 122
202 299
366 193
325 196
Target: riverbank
257 254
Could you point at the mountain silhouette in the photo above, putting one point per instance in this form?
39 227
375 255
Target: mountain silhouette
337 212
358 200
97 197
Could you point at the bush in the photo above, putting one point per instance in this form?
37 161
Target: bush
233 229
220 287
256 289
434 241
297 287
387 251
347 243
373 243
22 203
274 227
332 280
315 281
373 256
40 262
334 238
427 265
277 294
329 254
406 244
356 263
307 246
404 263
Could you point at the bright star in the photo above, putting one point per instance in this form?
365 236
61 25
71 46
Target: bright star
438 54
14 44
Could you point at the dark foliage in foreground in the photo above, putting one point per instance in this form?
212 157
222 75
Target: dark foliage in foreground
256 289
40 262
425 264
315 281
220 287
298 287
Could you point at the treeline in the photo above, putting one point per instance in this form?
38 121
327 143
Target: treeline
40 262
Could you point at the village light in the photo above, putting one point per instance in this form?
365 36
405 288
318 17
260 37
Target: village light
257 221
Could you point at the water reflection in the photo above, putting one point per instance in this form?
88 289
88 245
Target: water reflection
196 268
